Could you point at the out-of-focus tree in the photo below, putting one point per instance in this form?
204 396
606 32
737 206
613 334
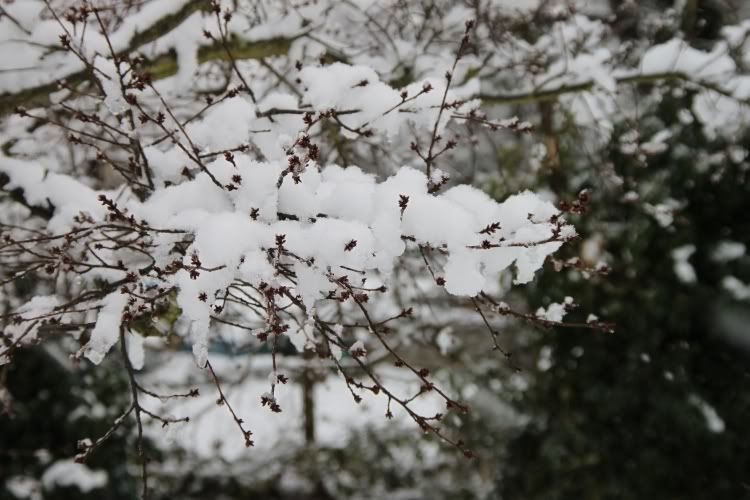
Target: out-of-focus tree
656 410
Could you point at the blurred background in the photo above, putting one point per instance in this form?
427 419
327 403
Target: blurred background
659 409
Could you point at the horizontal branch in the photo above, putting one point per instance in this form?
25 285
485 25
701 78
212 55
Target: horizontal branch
553 94
166 65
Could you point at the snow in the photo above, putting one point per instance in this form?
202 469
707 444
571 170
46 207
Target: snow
311 284
554 312
34 311
726 251
24 487
438 221
544 361
186 46
136 352
299 198
663 212
682 267
720 115
42 186
69 473
719 111
107 329
226 125
463 275
446 340
714 423
736 288
18 48
110 81
517 5
676 55
344 87
657 144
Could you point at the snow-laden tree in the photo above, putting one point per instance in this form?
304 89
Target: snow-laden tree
305 176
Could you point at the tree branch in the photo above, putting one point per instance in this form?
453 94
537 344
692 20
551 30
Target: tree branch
553 94
161 66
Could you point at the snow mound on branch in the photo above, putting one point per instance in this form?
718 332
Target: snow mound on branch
331 223
346 224
107 329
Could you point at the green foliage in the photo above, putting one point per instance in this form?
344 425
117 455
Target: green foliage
616 415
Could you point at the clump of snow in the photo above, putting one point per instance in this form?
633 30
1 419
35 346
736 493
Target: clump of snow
107 329
24 487
682 267
657 144
544 361
136 352
677 55
555 311
727 250
714 422
70 473
736 288
663 212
